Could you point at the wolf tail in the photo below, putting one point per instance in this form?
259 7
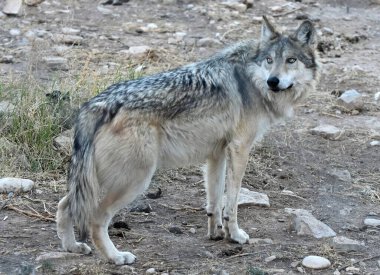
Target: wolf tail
82 179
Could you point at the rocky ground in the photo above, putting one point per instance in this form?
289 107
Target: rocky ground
320 172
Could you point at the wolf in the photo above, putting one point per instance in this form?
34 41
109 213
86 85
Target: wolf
212 111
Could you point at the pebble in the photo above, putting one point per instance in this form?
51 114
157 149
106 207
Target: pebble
372 222
208 42
12 7
375 143
316 262
270 259
354 270
15 184
327 131
305 224
377 96
350 100
139 51
66 30
192 230
14 32
56 63
150 271
328 31
343 244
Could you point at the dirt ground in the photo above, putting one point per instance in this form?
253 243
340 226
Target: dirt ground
289 157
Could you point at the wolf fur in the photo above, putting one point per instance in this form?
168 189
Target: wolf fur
212 111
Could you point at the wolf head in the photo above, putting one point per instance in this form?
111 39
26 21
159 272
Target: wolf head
286 66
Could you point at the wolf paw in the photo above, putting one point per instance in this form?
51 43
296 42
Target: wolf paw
123 258
81 248
217 234
239 236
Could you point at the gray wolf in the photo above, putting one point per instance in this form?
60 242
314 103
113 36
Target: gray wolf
212 111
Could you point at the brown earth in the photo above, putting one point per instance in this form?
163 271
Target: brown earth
288 158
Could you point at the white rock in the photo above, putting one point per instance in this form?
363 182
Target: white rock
12 7
56 255
336 272
192 230
56 62
15 184
353 270
151 26
150 271
66 30
327 131
14 32
328 31
351 100
270 258
343 244
377 96
316 262
372 222
139 51
208 42
375 143
6 107
248 197
305 224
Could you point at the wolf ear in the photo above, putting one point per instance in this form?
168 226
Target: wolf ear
306 33
268 31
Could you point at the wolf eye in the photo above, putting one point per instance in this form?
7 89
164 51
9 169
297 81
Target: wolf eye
269 60
291 60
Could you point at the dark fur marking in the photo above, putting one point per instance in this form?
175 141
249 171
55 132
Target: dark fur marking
227 219
209 214
220 226
244 86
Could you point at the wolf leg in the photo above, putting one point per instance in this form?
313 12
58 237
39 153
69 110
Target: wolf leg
65 230
215 182
238 158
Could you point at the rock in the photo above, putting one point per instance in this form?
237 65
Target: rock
104 11
350 100
342 175
376 96
14 32
353 270
375 143
12 7
33 2
64 142
142 208
139 51
175 230
208 42
192 230
327 131
15 184
66 30
258 241
327 31
56 63
316 262
248 197
56 255
6 107
270 258
257 19
372 222
68 39
305 224
150 271
235 6
343 244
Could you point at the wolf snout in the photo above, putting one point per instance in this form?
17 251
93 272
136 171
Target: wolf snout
273 83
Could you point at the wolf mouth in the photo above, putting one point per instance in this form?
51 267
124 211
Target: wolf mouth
276 90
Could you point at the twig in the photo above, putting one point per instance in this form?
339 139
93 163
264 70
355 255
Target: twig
241 255
358 261
182 208
332 115
286 13
30 214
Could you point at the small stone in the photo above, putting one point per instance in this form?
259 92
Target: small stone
6 107
208 42
305 224
350 100
68 39
295 264
277 9
257 19
150 271
15 32
15 184
175 230
192 230
258 241
66 30
328 31
139 51
142 208
12 7
343 244
372 222
376 96
56 255
375 143
327 131
270 259
316 262
354 270
56 63
336 272
248 197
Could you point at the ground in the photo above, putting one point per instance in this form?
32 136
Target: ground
289 157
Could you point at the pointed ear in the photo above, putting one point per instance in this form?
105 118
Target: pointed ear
268 31
306 33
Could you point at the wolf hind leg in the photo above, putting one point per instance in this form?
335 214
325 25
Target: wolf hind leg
65 230
215 182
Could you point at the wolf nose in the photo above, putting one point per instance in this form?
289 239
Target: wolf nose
273 82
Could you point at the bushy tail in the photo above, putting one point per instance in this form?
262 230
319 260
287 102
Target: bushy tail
82 179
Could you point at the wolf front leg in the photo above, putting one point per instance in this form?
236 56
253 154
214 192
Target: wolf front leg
215 182
238 158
